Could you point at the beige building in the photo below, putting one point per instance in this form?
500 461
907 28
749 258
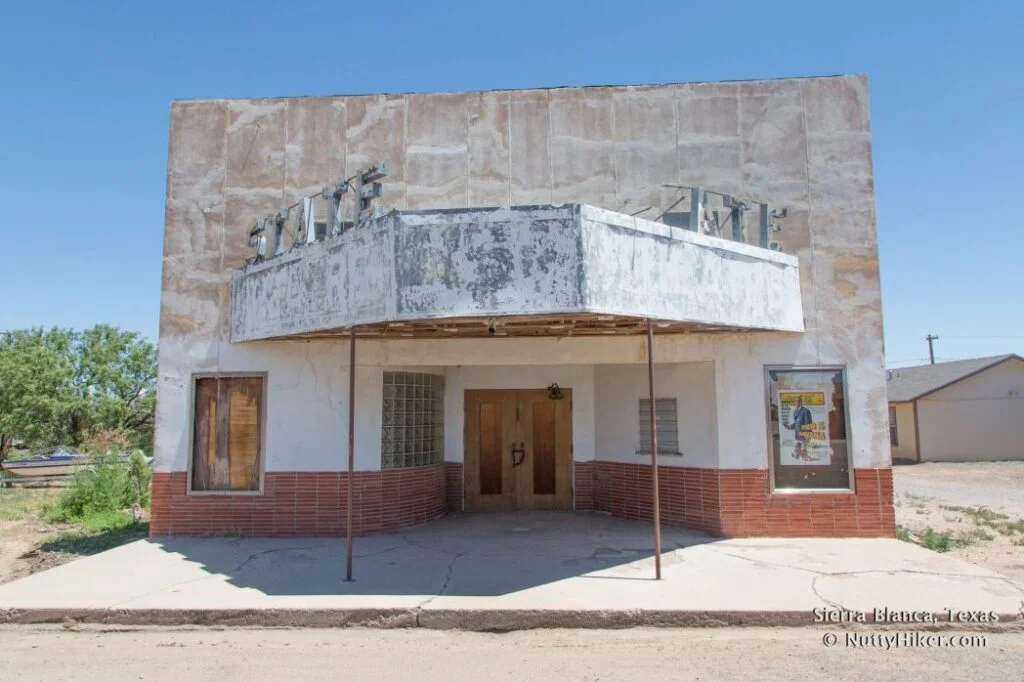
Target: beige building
963 411
499 292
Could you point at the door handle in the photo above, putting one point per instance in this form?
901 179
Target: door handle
521 451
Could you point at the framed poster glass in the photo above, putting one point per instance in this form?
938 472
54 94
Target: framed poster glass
807 434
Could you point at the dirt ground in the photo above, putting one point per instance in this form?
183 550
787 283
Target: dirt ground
29 544
790 654
997 485
22 532
978 506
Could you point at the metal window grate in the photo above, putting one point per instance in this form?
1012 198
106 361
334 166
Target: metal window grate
412 432
667 422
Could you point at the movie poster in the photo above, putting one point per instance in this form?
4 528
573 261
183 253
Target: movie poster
803 428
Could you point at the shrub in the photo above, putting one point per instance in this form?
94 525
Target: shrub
936 541
139 478
107 487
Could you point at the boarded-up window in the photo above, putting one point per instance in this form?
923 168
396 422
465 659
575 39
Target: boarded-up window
668 428
226 442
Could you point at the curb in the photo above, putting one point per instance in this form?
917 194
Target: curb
484 620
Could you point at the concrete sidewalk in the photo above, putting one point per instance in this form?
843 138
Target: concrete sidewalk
504 572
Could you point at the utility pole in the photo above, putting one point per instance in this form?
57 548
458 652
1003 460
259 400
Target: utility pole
931 351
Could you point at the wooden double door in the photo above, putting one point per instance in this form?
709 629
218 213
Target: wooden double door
518 450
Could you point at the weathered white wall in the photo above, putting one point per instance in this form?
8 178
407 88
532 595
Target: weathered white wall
618 391
307 427
980 418
645 269
907 449
409 266
801 143
515 261
307 415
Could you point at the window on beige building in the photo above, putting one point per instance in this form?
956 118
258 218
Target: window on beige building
894 438
227 436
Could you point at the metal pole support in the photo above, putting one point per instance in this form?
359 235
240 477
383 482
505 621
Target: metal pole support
351 449
654 451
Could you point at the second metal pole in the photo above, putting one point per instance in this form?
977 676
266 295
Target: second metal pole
351 448
654 451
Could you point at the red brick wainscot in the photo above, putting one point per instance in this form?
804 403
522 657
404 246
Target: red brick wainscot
302 503
583 486
736 503
453 486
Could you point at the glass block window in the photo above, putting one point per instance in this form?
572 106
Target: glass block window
412 432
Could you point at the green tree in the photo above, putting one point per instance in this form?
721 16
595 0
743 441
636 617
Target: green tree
63 387
34 375
114 385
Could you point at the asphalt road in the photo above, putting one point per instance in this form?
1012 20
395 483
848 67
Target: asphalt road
447 656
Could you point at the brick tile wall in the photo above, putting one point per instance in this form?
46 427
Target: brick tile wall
303 504
729 503
453 486
736 503
583 482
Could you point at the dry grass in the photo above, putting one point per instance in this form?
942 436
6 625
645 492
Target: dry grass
973 533
29 543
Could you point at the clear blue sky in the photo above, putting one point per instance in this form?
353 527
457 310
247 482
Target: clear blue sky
85 91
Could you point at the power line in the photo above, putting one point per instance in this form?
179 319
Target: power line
943 358
983 337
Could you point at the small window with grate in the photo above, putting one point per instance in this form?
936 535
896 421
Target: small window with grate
667 423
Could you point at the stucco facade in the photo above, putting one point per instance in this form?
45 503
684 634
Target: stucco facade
804 144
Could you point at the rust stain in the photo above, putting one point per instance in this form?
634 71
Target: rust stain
865 264
177 324
845 289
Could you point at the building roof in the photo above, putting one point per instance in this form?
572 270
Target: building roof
910 383
591 86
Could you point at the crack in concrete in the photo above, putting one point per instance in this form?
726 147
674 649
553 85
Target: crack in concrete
253 557
893 571
444 587
408 544
209 576
383 551
819 595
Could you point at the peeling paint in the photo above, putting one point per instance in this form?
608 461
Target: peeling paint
516 261
803 143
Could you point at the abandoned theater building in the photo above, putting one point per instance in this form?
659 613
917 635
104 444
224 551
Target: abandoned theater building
499 268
